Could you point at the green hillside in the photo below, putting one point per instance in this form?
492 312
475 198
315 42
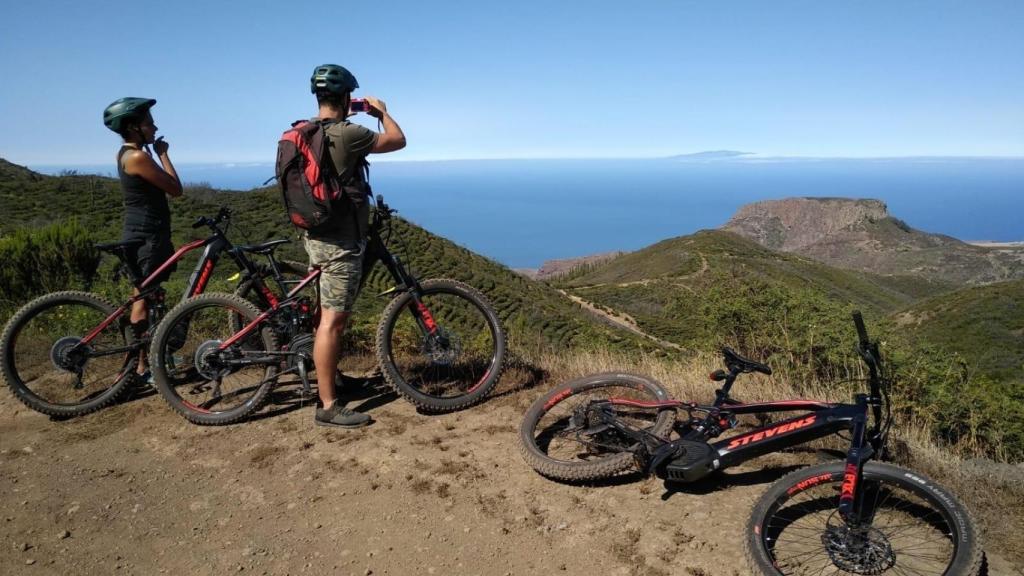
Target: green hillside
716 287
959 354
536 315
967 353
983 323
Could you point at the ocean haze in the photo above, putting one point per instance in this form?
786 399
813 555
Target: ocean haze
523 212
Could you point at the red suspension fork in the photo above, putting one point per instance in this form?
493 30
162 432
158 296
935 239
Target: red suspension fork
423 316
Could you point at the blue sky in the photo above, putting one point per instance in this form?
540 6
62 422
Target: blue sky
525 79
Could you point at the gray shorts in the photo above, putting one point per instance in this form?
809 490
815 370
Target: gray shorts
341 266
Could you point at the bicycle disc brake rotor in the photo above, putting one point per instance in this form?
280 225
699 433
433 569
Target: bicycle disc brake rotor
66 355
858 550
207 360
442 347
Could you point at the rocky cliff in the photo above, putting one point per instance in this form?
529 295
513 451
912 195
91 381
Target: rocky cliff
860 234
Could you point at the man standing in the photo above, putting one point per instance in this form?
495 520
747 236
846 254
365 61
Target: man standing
338 251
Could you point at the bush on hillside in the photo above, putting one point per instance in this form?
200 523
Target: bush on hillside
60 256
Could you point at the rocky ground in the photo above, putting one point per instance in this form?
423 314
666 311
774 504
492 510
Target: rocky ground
135 489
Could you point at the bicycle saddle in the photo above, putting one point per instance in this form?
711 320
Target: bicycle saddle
119 246
744 364
264 248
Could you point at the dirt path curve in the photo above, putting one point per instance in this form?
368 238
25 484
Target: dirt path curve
620 320
135 489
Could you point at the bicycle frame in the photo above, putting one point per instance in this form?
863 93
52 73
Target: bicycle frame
150 290
374 251
817 420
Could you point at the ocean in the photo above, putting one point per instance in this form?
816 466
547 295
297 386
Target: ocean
523 212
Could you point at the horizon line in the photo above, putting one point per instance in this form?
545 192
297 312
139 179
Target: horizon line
693 157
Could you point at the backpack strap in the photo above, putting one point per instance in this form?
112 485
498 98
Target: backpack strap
360 226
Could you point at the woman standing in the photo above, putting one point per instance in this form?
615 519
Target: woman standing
146 186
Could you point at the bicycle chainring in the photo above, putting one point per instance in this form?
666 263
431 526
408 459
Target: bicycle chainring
859 550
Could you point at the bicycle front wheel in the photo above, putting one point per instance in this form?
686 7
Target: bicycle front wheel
445 352
60 359
562 436
908 525
201 378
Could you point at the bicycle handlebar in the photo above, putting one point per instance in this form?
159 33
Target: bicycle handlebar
223 214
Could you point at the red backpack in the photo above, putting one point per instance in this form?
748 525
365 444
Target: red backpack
311 189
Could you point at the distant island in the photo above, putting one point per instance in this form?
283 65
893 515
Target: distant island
709 156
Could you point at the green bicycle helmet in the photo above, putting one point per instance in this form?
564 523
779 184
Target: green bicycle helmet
332 79
124 110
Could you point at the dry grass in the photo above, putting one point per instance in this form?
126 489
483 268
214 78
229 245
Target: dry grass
993 491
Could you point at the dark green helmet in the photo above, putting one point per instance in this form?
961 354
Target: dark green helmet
125 110
332 79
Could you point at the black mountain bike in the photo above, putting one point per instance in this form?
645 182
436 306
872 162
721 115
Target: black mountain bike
439 342
852 517
70 353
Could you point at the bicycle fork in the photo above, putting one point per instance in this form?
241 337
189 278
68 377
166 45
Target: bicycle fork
851 497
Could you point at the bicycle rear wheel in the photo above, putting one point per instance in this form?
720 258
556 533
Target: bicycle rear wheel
452 364
562 438
911 526
52 369
202 380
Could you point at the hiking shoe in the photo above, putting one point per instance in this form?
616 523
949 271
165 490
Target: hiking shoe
145 379
339 416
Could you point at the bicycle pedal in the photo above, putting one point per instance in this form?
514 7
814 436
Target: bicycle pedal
698 459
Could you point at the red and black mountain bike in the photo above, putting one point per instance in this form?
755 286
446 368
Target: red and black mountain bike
439 342
854 517
70 353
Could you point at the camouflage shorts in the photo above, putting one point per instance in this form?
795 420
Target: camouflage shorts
341 266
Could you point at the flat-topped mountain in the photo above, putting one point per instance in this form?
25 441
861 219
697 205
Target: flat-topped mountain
862 235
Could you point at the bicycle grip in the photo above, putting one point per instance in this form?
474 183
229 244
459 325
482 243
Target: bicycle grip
862 332
199 222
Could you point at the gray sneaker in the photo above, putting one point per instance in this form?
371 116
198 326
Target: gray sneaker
340 417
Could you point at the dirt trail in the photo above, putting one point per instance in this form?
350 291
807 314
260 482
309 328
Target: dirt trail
135 489
620 320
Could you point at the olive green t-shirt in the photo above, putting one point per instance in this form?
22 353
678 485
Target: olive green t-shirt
348 144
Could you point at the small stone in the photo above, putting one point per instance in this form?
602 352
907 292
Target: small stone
24 546
30 561
368 572
319 526
63 534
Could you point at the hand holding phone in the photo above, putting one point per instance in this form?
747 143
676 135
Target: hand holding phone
375 107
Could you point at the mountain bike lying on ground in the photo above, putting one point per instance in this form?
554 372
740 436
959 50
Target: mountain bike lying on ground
70 353
439 342
852 517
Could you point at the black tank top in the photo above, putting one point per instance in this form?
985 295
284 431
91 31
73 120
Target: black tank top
145 206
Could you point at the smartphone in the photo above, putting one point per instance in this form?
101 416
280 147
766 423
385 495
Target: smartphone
358 105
